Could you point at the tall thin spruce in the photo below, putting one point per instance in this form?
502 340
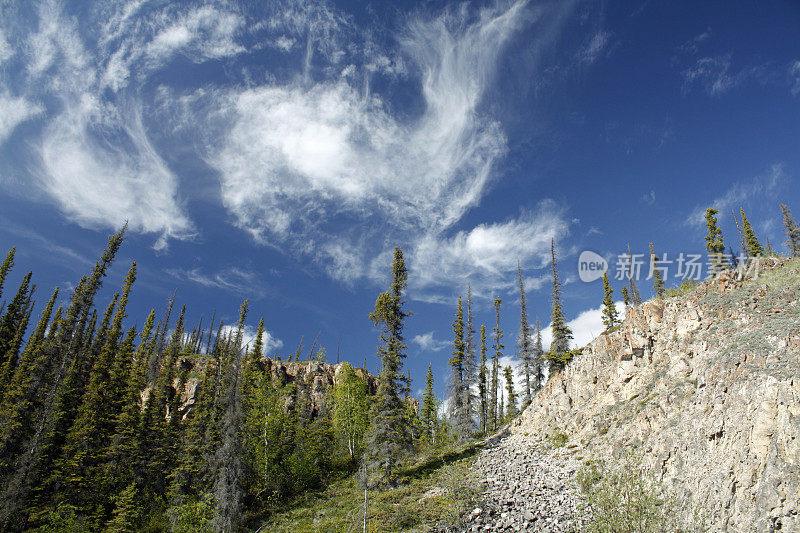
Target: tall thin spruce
497 349
524 347
792 231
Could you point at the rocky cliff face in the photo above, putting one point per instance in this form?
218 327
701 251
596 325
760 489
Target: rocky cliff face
705 387
315 377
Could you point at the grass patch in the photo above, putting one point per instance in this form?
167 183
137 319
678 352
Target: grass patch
435 490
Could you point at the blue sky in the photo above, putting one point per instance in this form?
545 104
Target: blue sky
280 152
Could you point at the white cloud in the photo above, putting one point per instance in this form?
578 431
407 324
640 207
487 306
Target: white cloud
300 163
794 77
233 279
595 47
98 164
99 184
13 112
205 32
427 343
716 76
585 327
488 254
6 50
270 343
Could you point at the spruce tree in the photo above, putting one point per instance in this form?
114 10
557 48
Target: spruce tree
6 266
497 348
609 310
460 416
625 298
754 249
511 397
12 327
559 346
714 243
430 417
792 232
538 353
469 363
524 348
390 436
658 279
82 460
36 437
482 382
635 297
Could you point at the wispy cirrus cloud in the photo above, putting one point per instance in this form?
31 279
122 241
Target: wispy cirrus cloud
232 279
99 164
765 185
794 77
595 47
15 110
313 158
303 164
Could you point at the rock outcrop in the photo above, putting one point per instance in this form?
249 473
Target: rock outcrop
705 388
317 378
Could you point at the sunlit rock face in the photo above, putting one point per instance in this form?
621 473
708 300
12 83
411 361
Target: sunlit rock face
705 388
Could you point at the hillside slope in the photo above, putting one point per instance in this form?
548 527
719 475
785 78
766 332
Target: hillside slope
705 387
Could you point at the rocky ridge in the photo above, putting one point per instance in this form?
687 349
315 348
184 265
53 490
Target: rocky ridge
703 387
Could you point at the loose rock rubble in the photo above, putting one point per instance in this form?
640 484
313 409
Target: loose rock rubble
526 488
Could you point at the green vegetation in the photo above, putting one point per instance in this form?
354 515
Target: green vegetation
792 232
434 490
658 279
752 246
609 310
623 499
686 286
559 354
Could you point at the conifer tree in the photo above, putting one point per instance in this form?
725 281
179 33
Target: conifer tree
430 417
559 346
228 478
511 397
6 266
482 382
37 337
32 439
792 232
390 436
609 310
625 297
714 242
469 363
524 348
658 279
12 327
635 297
497 348
460 416
754 249
538 353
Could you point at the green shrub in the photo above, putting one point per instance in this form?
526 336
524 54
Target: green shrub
686 287
625 500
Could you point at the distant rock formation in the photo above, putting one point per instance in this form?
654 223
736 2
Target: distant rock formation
317 377
705 387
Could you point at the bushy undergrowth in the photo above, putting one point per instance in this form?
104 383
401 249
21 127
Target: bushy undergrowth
433 490
624 499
